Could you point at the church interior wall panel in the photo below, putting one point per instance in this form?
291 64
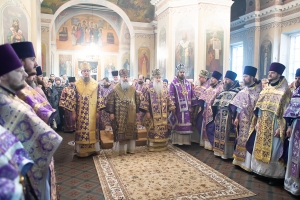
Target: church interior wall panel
272 35
144 61
97 31
125 61
110 64
18 12
183 23
45 54
217 28
162 52
143 42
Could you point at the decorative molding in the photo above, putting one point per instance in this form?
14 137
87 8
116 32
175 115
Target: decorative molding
46 20
161 5
146 36
163 14
214 8
237 28
237 22
155 2
183 10
143 28
45 29
290 12
271 16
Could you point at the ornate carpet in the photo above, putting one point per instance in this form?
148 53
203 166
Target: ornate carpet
171 174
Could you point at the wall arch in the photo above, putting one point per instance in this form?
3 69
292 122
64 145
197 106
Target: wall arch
105 3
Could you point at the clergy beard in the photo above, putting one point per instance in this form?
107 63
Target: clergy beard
181 78
213 84
39 82
31 83
106 86
140 82
86 79
124 85
158 87
227 86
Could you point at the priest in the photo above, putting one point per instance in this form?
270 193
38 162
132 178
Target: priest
183 96
242 106
157 104
69 116
38 139
206 100
204 82
270 127
122 104
86 102
292 117
40 105
225 134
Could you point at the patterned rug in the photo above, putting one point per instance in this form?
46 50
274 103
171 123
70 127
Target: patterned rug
171 174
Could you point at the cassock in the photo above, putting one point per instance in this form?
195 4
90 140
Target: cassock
183 96
14 165
38 139
272 102
69 120
104 116
124 104
225 133
243 103
292 116
140 115
87 102
159 107
198 110
208 126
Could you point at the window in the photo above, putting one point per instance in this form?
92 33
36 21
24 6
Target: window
237 60
294 60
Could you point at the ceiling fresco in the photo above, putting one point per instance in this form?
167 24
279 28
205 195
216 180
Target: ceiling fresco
136 10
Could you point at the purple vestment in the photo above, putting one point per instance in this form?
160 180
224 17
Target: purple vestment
198 111
159 108
208 96
104 116
69 121
38 139
244 101
292 116
14 162
183 96
225 133
140 115
41 106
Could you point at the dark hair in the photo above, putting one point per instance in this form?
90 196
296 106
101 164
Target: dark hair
106 79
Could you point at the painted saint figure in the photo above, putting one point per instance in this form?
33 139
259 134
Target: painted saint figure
144 65
15 34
